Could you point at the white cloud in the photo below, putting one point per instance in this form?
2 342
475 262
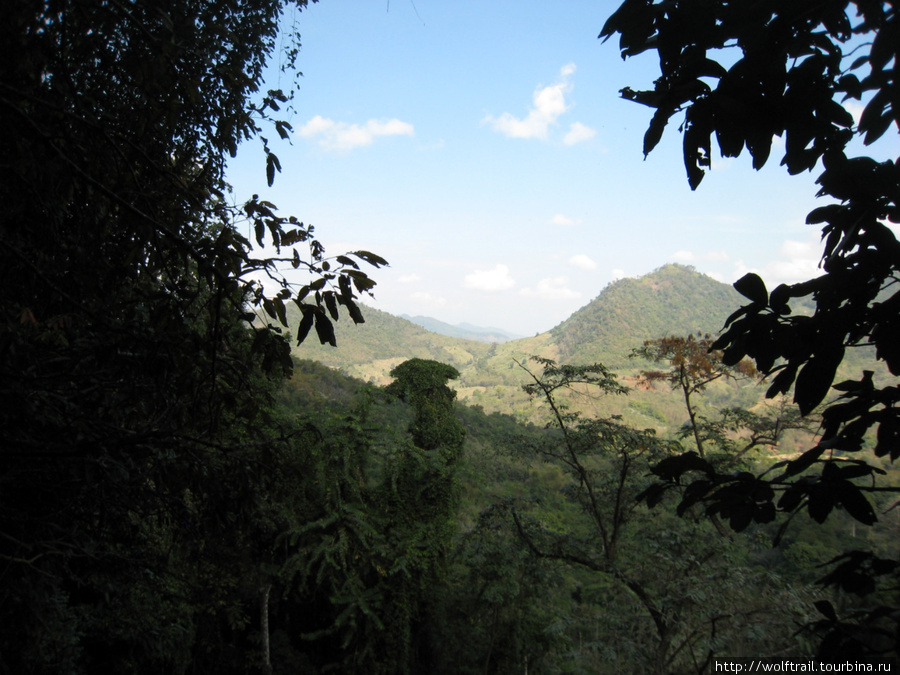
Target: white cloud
409 278
490 281
799 262
578 132
548 104
855 108
690 256
343 136
560 219
428 299
555 288
583 262
617 274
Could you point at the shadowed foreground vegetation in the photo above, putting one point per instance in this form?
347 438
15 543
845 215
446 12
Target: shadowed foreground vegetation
172 501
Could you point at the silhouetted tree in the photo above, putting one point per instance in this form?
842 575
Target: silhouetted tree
744 73
136 353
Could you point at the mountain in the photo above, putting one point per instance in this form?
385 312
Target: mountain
466 331
370 350
672 300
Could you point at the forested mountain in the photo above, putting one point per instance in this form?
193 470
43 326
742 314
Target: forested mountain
371 349
672 300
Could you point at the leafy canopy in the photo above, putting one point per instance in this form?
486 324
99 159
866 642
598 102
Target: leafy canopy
136 357
744 73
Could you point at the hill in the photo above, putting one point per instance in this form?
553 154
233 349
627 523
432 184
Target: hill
370 350
672 300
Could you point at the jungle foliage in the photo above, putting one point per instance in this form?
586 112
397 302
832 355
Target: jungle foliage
169 502
138 446
746 73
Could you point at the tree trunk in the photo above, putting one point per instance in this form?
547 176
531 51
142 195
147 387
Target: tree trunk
264 628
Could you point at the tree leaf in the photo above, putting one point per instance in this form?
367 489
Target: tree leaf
752 286
371 258
306 323
855 503
826 609
272 164
325 329
815 378
331 304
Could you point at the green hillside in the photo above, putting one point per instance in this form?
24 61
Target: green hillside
370 350
673 300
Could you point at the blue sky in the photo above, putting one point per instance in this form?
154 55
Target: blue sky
483 150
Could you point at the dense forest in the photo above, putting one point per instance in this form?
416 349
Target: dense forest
180 494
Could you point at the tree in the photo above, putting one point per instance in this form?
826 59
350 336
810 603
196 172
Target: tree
734 431
374 522
745 73
421 499
672 592
135 373
693 368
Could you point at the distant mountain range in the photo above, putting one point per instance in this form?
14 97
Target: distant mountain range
466 331
672 300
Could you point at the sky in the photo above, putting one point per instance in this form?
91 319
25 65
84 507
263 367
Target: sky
482 148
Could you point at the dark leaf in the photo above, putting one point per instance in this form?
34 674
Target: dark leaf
371 258
306 323
355 314
693 494
655 131
804 461
272 165
344 260
260 230
855 503
782 382
283 129
278 304
793 496
821 502
824 214
325 329
875 118
740 517
752 286
331 304
672 468
826 609
344 286
815 378
734 316
653 494
888 435
765 513
859 62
